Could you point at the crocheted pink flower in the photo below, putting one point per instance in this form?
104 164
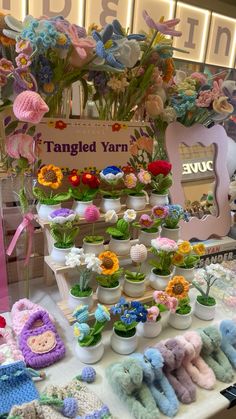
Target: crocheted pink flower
6 66
91 214
146 221
204 99
172 304
20 145
153 313
23 60
29 107
24 46
144 177
200 77
130 181
138 253
160 211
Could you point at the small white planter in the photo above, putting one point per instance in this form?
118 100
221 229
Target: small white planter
149 329
156 199
188 273
108 295
159 282
80 206
90 354
110 204
45 210
124 346
204 312
74 302
120 247
180 321
146 238
134 288
170 233
59 255
136 202
95 248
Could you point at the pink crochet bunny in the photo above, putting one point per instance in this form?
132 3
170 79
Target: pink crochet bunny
194 364
173 353
8 348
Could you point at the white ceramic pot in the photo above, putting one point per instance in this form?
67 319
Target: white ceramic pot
188 273
74 302
180 321
59 255
110 204
136 202
149 329
170 233
124 346
80 206
134 288
45 210
156 199
108 295
204 312
159 282
95 248
120 247
90 354
146 238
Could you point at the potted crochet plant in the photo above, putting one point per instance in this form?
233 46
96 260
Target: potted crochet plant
163 249
93 243
170 226
124 338
49 176
108 290
135 183
111 176
149 229
64 227
89 347
120 234
134 282
162 302
186 258
87 265
160 171
178 288
84 189
205 305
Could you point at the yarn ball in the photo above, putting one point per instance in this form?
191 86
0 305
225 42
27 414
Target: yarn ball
28 106
138 253
2 322
70 407
92 214
88 374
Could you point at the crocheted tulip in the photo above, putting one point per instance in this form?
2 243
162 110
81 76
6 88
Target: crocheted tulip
88 375
2 322
29 107
70 407
138 253
91 214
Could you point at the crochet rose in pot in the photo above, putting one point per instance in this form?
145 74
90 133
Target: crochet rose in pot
135 185
89 347
181 317
109 291
111 176
149 228
84 189
134 282
205 305
120 234
186 258
160 171
163 249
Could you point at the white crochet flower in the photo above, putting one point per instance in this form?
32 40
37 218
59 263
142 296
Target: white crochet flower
111 217
130 215
93 263
138 253
75 258
162 243
129 52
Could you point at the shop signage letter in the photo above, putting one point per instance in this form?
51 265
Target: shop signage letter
107 11
65 11
192 23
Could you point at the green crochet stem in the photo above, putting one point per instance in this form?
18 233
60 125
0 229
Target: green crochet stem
51 401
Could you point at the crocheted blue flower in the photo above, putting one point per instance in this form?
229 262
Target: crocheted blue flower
70 407
81 313
105 47
111 170
119 32
81 330
45 74
117 308
102 314
88 374
128 317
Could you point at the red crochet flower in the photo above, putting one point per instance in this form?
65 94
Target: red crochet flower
116 127
74 179
91 180
159 167
60 124
2 322
128 169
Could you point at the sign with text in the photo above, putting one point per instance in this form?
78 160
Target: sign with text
92 145
72 10
196 169
105 11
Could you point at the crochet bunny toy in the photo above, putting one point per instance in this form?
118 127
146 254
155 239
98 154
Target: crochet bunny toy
195 366
126 379
228 343
152 363
213 355
173 353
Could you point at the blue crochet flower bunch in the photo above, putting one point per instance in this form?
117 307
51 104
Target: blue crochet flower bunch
130 313
41 34
90 335
174 215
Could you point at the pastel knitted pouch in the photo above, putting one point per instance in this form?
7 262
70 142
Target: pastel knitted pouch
21 312
16 386
8 348
40 345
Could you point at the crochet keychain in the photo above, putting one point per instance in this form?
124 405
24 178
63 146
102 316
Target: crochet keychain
228 343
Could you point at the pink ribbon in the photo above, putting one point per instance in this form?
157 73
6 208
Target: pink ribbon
4 298
25 224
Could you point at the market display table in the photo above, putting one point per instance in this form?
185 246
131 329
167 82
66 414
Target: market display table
208 404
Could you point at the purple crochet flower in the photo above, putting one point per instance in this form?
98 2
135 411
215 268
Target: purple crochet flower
88 375
70 407
62 215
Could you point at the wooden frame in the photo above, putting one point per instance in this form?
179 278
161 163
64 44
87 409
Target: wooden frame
209 225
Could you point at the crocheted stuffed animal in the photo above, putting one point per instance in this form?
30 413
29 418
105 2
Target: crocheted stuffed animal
213 355
228 343
126 379
152 363
173 353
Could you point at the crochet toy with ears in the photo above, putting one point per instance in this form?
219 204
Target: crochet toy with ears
152 363
173 353
126 379
195 366
228 343
213 355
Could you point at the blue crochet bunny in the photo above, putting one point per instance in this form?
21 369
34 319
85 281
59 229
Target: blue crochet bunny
152 362
228 343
